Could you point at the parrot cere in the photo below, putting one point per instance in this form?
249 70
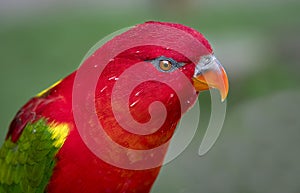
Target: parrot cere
106 127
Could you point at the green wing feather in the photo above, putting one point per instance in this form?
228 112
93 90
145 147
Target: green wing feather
26 166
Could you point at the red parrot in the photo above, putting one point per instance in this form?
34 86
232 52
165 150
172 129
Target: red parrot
46 149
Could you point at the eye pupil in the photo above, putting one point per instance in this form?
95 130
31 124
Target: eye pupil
165 65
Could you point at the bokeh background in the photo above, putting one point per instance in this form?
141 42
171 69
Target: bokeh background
257 41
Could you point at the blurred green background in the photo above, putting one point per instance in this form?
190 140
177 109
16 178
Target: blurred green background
257 42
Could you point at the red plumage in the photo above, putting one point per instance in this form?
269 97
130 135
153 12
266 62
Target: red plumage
78 170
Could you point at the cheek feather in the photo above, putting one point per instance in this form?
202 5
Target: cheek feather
140 99
149 92
189 70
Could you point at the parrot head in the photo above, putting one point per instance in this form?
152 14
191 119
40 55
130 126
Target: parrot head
150 75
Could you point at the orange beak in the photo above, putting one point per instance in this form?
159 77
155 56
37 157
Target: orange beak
209 73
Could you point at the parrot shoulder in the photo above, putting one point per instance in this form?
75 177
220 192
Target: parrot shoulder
26 165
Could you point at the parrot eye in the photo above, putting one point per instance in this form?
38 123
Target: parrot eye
165 65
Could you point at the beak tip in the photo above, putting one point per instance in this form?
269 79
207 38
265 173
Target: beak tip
224 91
223 98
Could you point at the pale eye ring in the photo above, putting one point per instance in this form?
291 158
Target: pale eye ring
165 65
